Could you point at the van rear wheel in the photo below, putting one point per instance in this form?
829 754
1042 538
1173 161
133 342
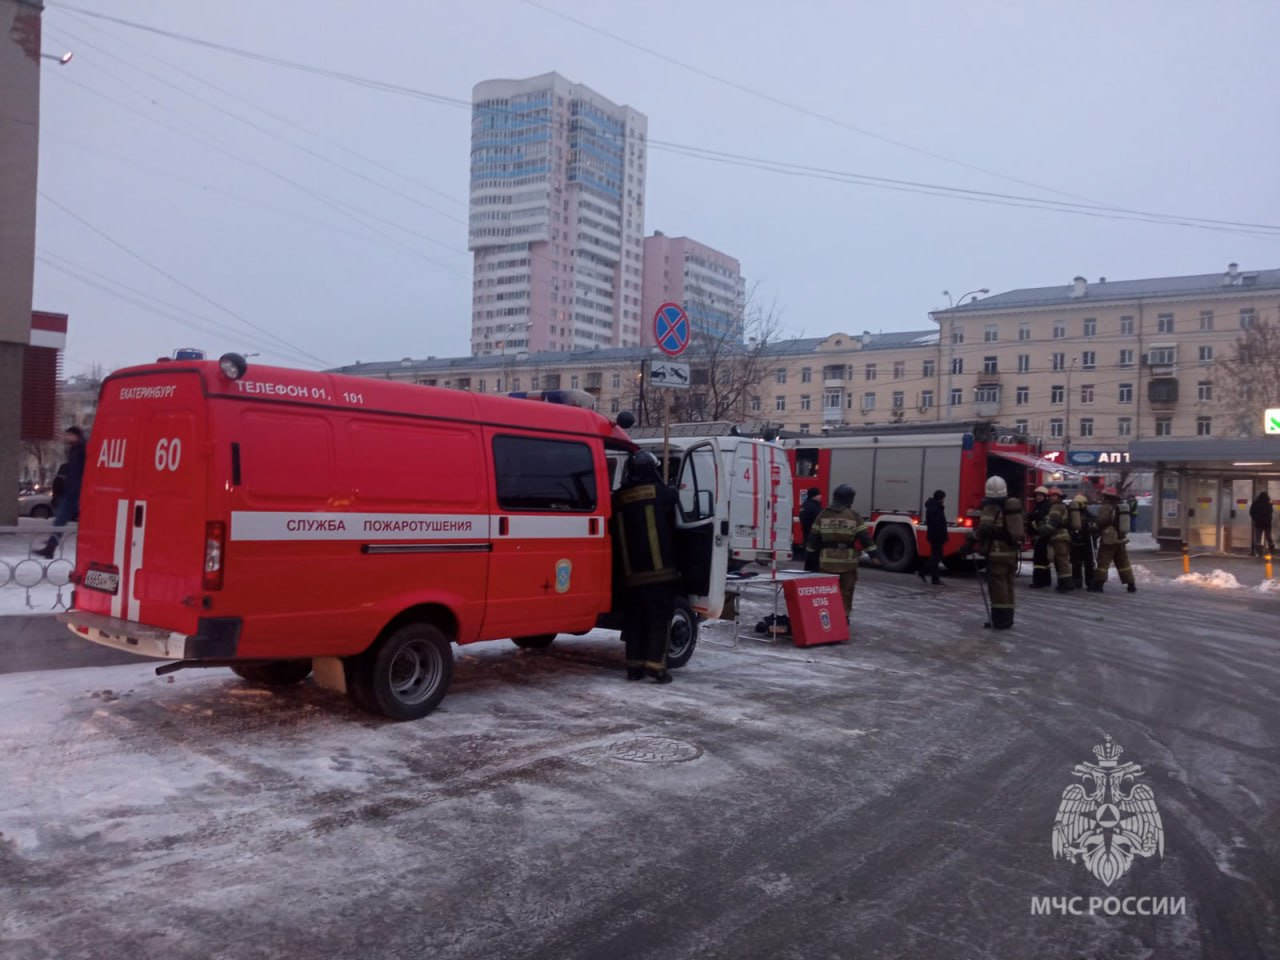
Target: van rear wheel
274 673
406 674
683 635
539 642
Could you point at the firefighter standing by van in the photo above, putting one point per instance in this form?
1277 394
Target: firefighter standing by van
1040 576
644 523
998 538
1082 525
1113 522
1056 533
837 537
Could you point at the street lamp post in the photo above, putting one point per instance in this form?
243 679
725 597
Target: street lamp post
951 352
1066 427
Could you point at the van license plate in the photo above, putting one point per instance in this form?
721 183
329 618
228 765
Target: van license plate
102 580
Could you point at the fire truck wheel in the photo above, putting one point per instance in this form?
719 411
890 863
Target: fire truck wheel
540 642
683 636
405 674
896 545
276 673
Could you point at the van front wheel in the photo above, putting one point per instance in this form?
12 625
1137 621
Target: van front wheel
683 635
406 674
274 673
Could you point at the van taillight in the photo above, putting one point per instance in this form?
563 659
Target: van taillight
215 542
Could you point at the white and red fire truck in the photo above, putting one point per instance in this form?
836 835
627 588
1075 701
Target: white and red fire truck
895 469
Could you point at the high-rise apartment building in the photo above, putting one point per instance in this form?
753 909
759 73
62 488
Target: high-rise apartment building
705 282
556 217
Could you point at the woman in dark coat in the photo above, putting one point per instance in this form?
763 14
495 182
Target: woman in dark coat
1260 513
935 522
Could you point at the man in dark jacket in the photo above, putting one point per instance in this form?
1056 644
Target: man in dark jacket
935 523
644 533
1260 512
69 503
809 511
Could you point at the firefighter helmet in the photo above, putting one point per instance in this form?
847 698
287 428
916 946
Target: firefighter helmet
1110 492
1042 489
643 466
1081 499
843 495
996 487
1055 492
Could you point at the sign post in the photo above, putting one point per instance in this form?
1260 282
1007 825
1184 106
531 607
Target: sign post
671 332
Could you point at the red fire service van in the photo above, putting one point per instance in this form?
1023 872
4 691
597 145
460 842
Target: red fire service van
275 521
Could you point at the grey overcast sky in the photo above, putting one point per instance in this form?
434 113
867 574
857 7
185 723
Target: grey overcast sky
275 203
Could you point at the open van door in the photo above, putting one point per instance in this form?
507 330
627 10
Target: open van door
702 530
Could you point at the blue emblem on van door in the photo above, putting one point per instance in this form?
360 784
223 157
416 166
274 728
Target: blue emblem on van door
564 570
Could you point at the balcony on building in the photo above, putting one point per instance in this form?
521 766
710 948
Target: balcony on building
595 383
1162 391
832 414
834 377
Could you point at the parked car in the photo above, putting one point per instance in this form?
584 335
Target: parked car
39 505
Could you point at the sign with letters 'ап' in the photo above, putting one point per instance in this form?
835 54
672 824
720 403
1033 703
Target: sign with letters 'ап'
816 610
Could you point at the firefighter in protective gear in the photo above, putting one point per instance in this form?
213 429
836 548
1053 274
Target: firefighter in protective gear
999 538
1082 525
1040 576
838 536
1113 525
644 525
1056 533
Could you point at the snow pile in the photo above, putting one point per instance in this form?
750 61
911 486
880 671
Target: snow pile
1269 586
1218 580
1143 574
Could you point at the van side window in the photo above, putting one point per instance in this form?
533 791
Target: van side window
534 474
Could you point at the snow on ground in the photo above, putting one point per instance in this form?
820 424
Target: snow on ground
1217 580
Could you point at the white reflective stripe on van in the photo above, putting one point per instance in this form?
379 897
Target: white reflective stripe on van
117 556
250 525
137 541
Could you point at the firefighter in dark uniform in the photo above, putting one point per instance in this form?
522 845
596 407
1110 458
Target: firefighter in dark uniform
1056 532
1113 524
644 524
1040 576
1082 525
999 538
837 537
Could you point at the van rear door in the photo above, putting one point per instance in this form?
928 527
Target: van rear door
702 532
140 551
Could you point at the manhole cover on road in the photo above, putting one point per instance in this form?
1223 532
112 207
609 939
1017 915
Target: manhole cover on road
654 750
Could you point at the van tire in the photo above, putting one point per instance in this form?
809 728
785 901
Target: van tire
274 673
683 634
896 545
404 675
538 642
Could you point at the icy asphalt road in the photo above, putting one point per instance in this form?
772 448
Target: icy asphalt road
890 798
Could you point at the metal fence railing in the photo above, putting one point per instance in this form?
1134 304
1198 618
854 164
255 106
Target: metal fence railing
29 582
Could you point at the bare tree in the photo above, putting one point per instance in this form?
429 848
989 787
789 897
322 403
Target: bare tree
1248 382
45 454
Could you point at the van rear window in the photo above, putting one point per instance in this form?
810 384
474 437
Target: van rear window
534 474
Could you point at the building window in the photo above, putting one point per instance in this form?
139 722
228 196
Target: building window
990 333
1022 396
832 401
1164 426
1206 319
755 404
804 428
1086 393
990 365
1057 394
1124 427
926 399
1055 428
1126 393
957 364
899 369
780 375
1126 326
806 374
871 371
1024 330
868 402
927 370
1206 353
1204 391
1126 357
1162 356
1086 426
1059 362
899 400
615 405
957 396
616 381
573 382
1204 426
805 402
1024 363
1020 426
1164 323
1091 326
780 404
957 333
1088 360
1059 330
987 393
1248 317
